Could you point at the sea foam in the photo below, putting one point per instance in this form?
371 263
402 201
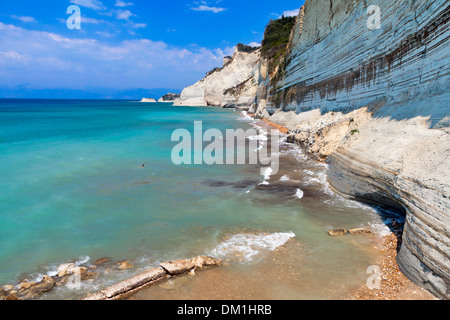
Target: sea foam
250 246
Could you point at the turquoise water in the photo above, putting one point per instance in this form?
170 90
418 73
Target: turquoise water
72 189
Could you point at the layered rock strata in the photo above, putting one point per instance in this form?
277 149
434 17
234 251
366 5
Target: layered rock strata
374 103
233 85
149 277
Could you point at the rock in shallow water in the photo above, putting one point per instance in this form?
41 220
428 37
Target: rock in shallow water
337 232
360 231
177 267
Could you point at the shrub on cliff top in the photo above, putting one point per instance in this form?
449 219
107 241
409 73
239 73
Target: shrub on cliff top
244 48
276 37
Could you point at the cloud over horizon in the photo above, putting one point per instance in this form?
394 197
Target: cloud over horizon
48 59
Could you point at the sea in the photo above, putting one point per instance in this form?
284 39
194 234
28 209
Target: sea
82 180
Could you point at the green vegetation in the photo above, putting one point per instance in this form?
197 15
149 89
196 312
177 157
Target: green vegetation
276 37
244 48
274 47
354 131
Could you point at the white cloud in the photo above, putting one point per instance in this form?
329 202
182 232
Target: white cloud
122 4
291 13
104 34
12 55
124 14
93 4
50 60
254 44
91 20
24 18
138 25
207 8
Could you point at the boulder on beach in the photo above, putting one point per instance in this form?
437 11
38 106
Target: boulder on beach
178 266
202 262
337 232
101 261
360 231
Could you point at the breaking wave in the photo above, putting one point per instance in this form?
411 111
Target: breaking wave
247 247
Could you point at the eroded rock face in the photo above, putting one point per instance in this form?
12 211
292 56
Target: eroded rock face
129 286
234 85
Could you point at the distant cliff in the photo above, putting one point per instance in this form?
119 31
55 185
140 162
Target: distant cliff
169 97
232 85
370 100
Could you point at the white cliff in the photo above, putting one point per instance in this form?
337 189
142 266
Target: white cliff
374 103
233 85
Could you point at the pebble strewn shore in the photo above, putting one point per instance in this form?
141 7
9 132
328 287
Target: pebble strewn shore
394 285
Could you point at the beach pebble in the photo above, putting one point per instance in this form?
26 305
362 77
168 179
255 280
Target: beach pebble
125 265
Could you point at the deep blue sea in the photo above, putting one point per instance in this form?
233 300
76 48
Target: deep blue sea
72 189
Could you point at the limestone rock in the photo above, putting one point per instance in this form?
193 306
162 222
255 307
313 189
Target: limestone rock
202 262
26 285
337 232
125 265
360 231
3 293
233 85
101 261
130 285
40 288
64 269
178 266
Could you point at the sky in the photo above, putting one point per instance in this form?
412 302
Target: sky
124 48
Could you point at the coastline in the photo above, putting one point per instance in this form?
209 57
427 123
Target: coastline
394 284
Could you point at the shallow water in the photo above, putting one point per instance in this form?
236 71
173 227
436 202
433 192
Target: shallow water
73 190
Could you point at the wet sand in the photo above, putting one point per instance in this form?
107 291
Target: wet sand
278 276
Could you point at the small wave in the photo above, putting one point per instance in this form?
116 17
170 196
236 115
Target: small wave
245 117
267 173
259 137
299 194
250 246
286 178
380 229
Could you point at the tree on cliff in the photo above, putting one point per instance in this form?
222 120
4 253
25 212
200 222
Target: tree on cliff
276 39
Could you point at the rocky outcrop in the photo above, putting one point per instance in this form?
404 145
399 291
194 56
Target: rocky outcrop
149 277
169 97
233 85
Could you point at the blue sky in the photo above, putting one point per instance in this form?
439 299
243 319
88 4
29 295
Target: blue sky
125 48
